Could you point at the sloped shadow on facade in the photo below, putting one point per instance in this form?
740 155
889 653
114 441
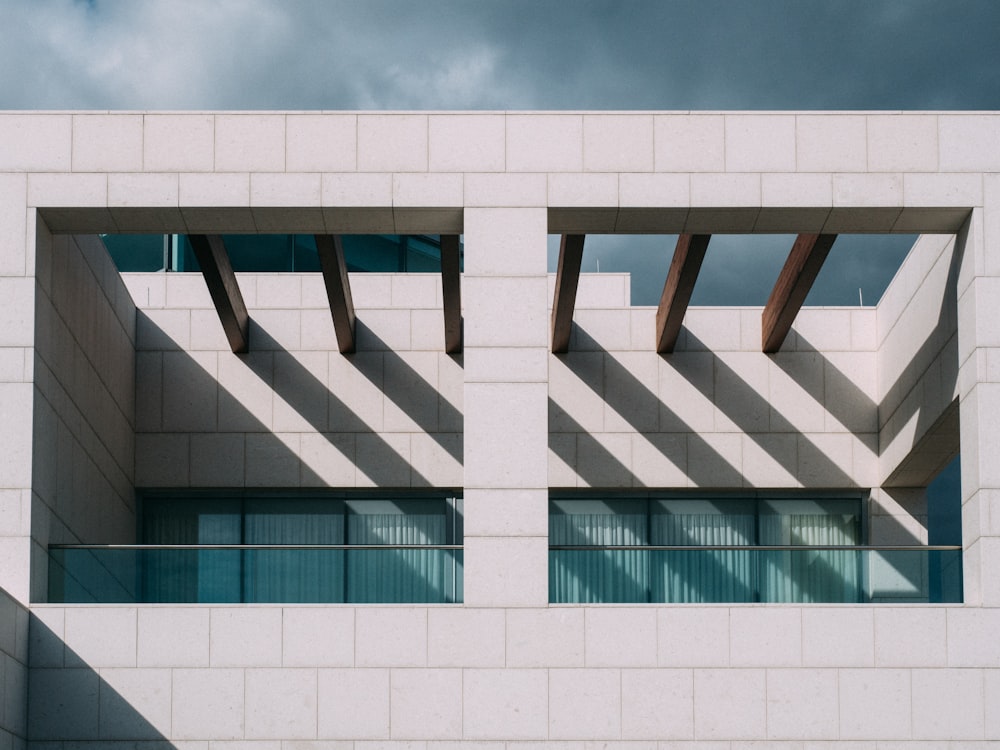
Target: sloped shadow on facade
68 700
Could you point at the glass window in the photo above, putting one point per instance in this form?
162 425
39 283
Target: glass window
660 547
294 547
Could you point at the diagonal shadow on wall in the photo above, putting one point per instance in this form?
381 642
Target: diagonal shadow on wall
68 700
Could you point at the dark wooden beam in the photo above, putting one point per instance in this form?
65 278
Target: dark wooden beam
684 268
213 259
792 287
451 286
338 289
567 280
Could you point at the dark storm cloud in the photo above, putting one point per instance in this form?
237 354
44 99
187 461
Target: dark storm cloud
520 54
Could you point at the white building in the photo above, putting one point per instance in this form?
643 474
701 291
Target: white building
122 398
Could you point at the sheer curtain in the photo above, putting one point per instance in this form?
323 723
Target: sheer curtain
598 576
709 575
293 575
190 575
810 575
403 575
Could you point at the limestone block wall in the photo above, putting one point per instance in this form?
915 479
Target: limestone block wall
917 320
716 412
294 412
13 672
84 399
558 678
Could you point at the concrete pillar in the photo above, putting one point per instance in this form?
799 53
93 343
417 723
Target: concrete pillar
505 295
16 392
979 387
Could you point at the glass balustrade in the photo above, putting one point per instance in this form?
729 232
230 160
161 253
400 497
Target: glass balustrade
139 574
736 573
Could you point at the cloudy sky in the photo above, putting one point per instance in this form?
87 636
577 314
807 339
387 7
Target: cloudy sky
523 54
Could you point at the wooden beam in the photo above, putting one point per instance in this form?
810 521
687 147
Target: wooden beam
567 280
792 287
451 286
338 289
213 259
684 268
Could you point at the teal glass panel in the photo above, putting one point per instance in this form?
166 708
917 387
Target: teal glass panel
600 575
141 253
311 576
778 576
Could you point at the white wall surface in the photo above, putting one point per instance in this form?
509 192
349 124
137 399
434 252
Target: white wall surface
834 408
461 675
84 397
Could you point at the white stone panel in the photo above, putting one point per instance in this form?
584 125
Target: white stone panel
245 637
620 637
392 143
971 641
584 704
838 637
505 704
76 190
100 637
693 636
35 142
465 638
508 365
968 143
552 637
503 190
466 143
321 142
134 704
729 704
65 705
831 143
545 143
764 637
802 704
510 572
178 142
583 190
249 142
519 303
13 217
874 704
172 637
214 190
142 191
948 704
502 242
760 143
207 704
515 415
281 703
618 143
427 190
290 190
902 143
353 703
502 513
426 703
690 143
394 637
107 143
657 704
317 637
